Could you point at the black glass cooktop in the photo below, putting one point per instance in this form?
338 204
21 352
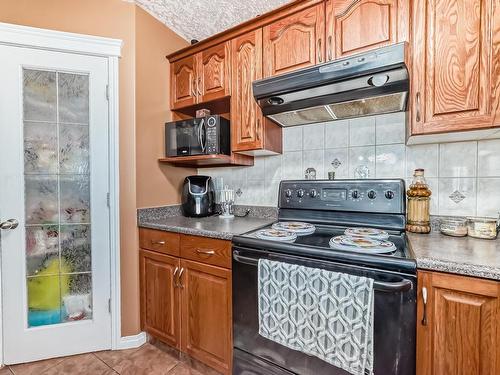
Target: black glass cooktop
321 239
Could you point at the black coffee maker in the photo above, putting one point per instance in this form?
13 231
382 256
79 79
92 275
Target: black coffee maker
198 196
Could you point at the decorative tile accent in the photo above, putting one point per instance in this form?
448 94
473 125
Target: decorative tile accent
457 196
336 160
336 163
464 207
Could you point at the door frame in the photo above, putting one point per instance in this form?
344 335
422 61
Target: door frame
58 41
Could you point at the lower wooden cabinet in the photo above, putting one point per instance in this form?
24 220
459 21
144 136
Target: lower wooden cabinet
187 303
458 329
207 314
160 298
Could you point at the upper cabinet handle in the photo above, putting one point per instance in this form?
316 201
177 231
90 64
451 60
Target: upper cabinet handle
198 86
319 51
193 88
424 299
417 104
330 54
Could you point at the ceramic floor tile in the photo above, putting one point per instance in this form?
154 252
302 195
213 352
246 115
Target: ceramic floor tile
35 368
183 369
113 357
148 360
84 364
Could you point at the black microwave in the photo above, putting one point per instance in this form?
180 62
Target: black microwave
197 136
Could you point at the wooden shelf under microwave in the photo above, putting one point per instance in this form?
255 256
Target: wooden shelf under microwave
200 161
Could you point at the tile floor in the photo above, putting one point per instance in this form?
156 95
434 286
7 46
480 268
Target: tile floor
149 359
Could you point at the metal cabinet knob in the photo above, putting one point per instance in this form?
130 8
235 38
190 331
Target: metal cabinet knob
9 224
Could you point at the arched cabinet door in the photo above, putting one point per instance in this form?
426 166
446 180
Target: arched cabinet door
355 26
183 82
214 75
294 42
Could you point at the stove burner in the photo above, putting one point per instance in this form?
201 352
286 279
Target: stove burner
376 234
362 244
276 235
297 227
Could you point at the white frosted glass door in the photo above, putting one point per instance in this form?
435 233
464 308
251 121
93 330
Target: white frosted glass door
55 264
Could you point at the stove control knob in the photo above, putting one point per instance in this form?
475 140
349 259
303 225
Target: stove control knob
300 193
355 194
372 194
389 194
313 193
288 193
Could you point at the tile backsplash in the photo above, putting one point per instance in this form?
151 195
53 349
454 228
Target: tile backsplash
463 176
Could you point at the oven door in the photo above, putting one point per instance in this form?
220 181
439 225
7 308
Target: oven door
394 319
185 138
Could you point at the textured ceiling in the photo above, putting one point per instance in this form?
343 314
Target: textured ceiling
200 19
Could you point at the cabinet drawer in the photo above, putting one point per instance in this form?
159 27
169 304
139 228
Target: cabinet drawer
157 240
206 250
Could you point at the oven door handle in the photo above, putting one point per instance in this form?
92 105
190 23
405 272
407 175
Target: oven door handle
381 286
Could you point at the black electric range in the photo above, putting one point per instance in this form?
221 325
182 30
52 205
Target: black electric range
332 206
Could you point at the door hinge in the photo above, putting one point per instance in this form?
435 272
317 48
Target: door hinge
107 92
109 305
108 200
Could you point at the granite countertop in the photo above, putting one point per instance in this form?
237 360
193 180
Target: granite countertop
460 255
169 218
212 226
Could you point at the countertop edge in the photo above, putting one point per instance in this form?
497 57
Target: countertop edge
190 231
462 269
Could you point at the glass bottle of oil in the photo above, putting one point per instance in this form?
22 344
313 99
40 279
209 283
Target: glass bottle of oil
419 195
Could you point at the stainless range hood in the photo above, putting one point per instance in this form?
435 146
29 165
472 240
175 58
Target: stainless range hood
370 83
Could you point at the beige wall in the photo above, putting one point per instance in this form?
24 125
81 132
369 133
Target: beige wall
117 19
157 184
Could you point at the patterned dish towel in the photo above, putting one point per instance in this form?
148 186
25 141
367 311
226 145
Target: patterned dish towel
321 313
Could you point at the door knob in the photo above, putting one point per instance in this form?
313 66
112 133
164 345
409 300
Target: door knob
9 224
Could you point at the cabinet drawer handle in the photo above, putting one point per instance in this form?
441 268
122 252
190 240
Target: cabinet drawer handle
180 285
176 284
330 54
205 252
153 242
417 100
319 50
424 299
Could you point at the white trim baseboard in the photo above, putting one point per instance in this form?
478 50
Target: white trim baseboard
131 342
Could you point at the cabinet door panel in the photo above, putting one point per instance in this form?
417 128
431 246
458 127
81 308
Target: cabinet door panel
295 42
358 26
461 331
207 314
214 74
160 300
456 61
246 117
183 82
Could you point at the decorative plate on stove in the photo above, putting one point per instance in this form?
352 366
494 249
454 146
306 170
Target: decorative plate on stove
301 229
276 235
362 244
376 234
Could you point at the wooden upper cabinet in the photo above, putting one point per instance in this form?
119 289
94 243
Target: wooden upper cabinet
160 299
183 81
214 75
355 26
294 42
246 117
461 333
207 314
456 65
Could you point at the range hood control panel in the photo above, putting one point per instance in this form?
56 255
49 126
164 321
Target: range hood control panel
384 196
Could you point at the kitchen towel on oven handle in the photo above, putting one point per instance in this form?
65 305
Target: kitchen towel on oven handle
321 313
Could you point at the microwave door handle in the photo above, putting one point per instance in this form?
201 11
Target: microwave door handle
201 136
381 286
